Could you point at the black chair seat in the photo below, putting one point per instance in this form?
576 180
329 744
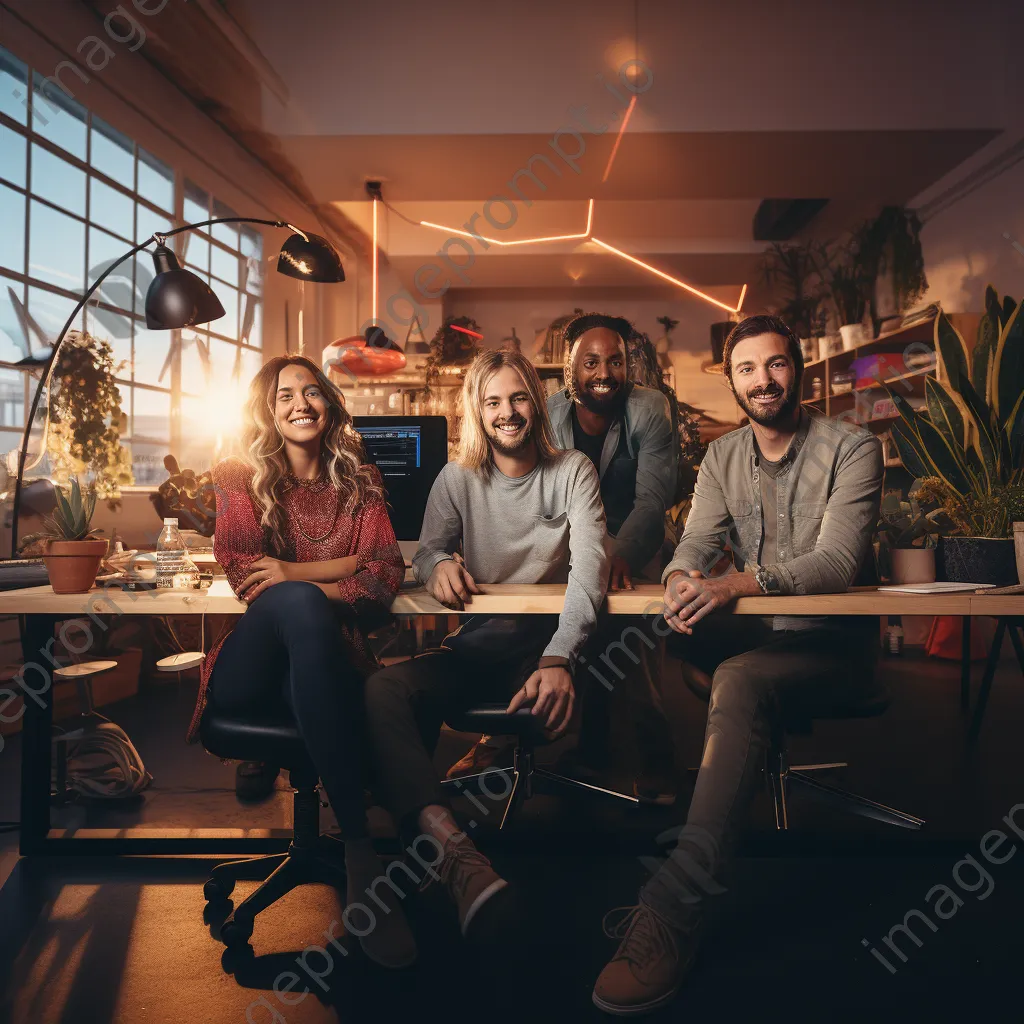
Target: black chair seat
274 740
493 720
800 725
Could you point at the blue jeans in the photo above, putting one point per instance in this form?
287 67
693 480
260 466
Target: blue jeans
287 653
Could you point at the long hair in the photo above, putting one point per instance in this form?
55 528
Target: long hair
474 448
341 450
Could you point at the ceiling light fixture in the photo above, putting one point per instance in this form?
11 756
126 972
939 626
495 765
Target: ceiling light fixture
618 139
669 277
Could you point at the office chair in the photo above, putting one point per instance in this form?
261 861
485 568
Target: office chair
311 857
528 729
781 775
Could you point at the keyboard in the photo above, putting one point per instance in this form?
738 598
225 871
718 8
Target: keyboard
18 573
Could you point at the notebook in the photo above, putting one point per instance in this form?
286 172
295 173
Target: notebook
934 588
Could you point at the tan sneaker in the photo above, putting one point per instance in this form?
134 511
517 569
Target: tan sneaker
484 754
650 965
469 878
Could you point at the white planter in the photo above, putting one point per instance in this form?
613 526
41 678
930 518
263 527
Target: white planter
913 565
852 335
1018 547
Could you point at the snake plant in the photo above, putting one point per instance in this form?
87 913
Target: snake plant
968 444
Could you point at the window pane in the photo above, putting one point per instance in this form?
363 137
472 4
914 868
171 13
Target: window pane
148 462
151 351
252 273
251 363
12 235
195 376
151 416
111 209
112 153
227 324
197 251
197 204
56 248
224 357
105 249
50 312
226 233
12 334
56 180
149 222
12 399
156 181
117 330
57 117
225 265
197 446
13 87
251 241
12 154
250 329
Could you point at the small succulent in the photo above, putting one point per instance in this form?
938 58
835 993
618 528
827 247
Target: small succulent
905 524
71 516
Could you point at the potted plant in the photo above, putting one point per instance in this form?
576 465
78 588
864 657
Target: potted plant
791 268
86 420
849 279
968 445
71 551
907 536
891 248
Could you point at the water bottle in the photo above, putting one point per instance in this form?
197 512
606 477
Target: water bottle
174 567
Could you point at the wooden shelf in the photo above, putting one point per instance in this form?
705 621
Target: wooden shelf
923 331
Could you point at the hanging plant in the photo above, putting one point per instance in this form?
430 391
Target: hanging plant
451 347
85 418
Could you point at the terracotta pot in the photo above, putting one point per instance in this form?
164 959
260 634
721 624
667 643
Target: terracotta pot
913 565
977 560
72 564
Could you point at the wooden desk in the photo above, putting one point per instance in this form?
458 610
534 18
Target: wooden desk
41 608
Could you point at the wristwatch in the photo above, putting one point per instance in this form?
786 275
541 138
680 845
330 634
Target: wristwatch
766 581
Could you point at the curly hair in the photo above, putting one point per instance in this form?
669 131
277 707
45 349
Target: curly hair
341 450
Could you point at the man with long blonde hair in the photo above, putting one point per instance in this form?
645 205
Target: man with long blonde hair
521 511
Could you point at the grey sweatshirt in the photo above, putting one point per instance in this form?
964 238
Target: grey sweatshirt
545 527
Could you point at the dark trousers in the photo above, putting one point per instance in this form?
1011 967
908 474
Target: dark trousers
406 705
757 675
287 652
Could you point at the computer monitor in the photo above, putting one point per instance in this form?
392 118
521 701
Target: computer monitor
409 451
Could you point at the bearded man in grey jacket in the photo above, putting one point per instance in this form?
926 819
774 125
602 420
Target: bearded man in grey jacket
512 508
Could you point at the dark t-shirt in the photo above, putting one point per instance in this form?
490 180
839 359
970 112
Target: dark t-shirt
590 444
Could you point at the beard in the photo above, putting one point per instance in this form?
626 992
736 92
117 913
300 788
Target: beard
505 445
770 415
610 404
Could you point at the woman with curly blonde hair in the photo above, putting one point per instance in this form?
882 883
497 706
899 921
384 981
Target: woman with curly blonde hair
303 535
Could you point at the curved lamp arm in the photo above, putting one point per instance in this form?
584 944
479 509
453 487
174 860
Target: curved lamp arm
47 369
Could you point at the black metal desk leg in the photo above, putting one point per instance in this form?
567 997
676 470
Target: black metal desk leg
1018 645
35 734
986 681
965 662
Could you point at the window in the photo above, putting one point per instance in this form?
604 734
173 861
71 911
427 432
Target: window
75 195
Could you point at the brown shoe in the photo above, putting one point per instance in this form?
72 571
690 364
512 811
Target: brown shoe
484 754
650 965
469 878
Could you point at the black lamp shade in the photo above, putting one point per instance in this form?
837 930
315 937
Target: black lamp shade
310 257
177 298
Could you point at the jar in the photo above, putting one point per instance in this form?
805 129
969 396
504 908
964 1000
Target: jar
842 382
816 389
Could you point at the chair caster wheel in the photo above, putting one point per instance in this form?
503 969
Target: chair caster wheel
236 933
218 889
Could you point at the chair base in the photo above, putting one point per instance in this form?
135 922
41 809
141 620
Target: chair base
323 863
781 776
524 774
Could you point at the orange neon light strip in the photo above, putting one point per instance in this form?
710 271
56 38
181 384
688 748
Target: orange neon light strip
466 330
618 138
743 295
521 241
667 277
374 304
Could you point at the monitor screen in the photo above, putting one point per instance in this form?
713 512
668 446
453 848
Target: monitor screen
409 451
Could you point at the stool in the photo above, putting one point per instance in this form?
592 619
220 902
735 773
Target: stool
528 729
781 774
311 857
82 674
